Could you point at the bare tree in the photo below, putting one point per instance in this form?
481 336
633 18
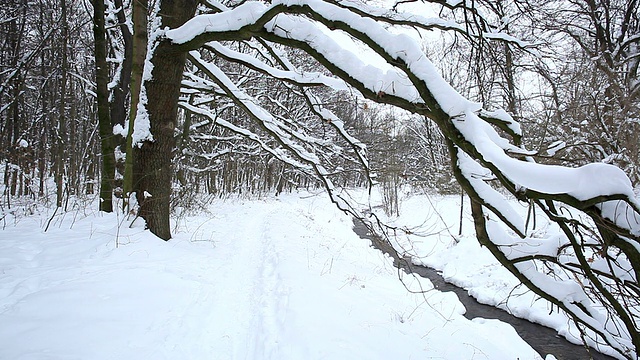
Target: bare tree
594 92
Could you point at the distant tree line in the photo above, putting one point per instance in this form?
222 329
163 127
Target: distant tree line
577 97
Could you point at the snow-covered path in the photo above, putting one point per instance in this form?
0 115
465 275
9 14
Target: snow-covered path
280 278
257 295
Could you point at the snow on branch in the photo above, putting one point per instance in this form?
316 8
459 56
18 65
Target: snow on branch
323 113
293 141
414 81
302 79
278 154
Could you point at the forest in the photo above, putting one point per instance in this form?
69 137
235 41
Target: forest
159 107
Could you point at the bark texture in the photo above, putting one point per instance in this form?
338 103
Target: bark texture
138 55
152 160
104 119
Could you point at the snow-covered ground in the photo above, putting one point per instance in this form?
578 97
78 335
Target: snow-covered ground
277 278
436 241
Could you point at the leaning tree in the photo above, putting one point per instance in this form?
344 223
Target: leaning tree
590 271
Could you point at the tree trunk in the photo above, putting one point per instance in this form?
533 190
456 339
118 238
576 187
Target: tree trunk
139 53
119 102
104 118
152 160
62 120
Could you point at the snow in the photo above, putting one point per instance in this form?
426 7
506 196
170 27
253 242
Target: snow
277 278
395 46
142 124
376 79
243 15
118 129
302 78
476 175
508 38
463 262
503 116
583 183
555 147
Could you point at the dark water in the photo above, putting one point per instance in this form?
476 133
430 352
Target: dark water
543 339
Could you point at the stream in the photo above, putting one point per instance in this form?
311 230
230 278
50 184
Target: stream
541 338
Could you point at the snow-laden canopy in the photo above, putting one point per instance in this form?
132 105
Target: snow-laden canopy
413 83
